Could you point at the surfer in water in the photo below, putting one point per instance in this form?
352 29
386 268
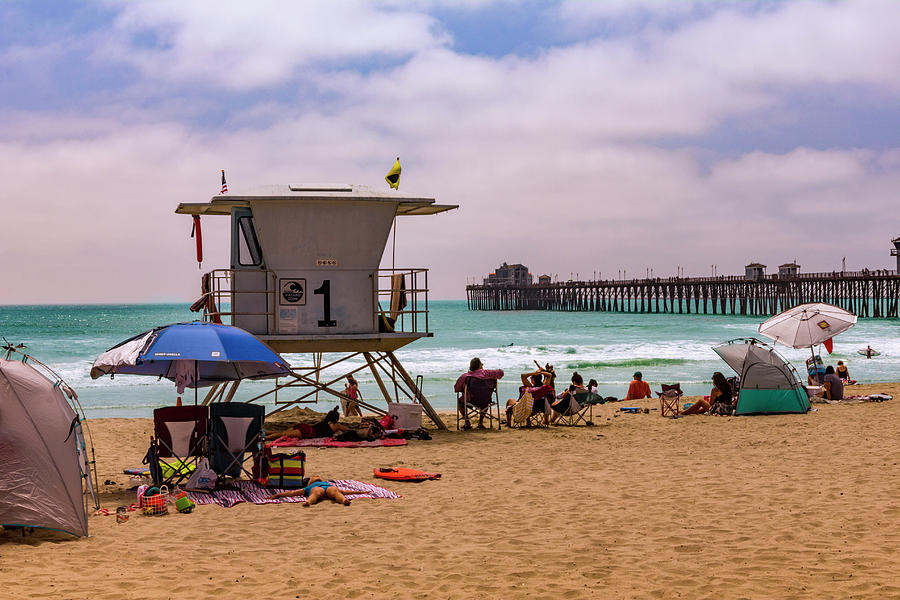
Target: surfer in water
870 352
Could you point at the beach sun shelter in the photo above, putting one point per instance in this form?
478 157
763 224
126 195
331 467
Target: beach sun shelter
46 478
769 384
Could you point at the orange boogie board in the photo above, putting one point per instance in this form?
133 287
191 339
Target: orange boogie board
404 474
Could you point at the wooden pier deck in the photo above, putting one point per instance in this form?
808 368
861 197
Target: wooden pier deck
865 293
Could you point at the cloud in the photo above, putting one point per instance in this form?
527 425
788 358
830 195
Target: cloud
562 159
242 47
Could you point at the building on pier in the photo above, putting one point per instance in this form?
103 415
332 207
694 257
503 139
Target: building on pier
506 274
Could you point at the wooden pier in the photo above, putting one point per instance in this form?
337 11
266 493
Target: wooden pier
865 293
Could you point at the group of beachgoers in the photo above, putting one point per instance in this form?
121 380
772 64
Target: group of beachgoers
830 380
548 406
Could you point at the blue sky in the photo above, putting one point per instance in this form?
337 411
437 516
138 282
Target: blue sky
776 122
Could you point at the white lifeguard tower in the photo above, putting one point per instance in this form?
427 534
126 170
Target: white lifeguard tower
305 279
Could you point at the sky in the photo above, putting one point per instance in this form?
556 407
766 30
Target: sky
576 137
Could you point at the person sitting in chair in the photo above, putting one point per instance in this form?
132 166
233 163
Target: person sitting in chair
540 385
562 406
720 399
476 370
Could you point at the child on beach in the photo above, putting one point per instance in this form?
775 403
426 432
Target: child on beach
319 489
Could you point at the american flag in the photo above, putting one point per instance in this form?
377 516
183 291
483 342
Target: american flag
224 185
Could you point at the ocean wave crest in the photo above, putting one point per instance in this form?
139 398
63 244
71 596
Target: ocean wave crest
629 362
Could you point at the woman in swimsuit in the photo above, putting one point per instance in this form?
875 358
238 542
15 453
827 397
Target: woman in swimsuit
842 371
319 489
351 408
720 399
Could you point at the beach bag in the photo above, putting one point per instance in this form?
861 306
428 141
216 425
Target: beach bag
203 479
286 471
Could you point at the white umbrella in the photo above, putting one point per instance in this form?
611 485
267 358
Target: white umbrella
807 325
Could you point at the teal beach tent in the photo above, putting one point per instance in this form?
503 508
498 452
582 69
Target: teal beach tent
769 384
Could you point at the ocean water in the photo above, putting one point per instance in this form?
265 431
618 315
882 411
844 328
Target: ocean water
608 347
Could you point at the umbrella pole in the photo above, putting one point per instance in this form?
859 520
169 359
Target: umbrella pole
196 379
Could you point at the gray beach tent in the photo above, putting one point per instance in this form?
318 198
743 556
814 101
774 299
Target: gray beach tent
769 384
45 477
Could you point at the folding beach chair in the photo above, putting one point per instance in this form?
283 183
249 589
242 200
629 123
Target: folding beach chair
478 399
670 399
179 442
582 409
236 435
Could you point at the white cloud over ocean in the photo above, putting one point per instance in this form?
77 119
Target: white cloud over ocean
624 136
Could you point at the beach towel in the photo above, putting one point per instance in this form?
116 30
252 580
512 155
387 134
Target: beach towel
522 409
250 491
327 442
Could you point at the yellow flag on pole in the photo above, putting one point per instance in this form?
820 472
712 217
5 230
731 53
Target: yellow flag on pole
393 176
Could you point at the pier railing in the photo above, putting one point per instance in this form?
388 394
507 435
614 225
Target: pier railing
867 293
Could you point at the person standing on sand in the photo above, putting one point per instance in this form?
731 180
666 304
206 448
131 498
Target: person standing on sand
638 389
351 406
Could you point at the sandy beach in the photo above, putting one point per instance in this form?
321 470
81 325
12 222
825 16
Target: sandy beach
637 506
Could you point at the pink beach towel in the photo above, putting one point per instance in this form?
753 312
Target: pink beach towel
292 442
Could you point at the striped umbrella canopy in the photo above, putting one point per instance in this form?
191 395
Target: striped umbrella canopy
807 325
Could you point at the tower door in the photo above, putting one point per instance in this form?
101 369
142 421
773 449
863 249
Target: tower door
251 288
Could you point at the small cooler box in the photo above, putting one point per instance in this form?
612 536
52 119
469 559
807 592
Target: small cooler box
406 416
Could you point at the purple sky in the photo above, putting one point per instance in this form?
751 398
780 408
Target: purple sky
575 136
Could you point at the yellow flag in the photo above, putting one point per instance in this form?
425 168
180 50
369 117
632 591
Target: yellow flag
393 176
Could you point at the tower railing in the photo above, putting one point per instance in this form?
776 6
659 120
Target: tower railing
400 302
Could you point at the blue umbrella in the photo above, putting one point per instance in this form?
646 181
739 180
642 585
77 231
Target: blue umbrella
193 355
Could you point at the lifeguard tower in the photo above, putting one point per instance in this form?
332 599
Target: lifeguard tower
305 279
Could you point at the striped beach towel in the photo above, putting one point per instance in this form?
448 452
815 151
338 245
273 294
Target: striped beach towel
327 442
522 409
250 491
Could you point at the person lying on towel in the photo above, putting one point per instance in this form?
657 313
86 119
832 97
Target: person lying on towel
319 489
327 427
